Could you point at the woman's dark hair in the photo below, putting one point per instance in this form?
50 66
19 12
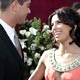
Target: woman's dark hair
69 17
76 6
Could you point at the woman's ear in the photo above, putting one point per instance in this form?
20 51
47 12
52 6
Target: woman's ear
75 27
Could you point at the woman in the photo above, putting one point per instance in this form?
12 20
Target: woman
62 63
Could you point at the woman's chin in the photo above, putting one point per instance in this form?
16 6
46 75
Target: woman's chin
58 40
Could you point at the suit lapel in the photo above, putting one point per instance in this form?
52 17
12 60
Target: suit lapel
10 45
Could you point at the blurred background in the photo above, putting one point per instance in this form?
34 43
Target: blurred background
43 8
34 36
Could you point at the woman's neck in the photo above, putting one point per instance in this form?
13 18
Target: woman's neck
68 48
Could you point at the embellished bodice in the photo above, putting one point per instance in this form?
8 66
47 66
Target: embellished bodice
68 72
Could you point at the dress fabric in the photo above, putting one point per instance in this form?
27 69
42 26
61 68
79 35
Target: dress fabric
73 74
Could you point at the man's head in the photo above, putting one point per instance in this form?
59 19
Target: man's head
15 11
6 3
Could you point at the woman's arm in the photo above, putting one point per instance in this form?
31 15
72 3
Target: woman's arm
39 71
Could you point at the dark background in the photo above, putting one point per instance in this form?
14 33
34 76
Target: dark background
43 8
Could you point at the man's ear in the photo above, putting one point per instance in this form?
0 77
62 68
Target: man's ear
14 6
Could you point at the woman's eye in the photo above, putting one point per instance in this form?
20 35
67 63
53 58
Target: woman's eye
52 24
58 22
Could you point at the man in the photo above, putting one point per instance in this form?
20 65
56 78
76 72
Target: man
0 8
13 12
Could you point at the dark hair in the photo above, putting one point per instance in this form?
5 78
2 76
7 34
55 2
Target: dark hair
76 6
69 17
0 4
6 3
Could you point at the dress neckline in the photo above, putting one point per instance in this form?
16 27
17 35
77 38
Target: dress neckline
60 68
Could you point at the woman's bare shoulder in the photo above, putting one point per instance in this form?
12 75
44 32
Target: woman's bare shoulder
46 54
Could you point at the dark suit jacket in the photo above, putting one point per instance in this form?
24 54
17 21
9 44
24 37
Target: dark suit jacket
11 64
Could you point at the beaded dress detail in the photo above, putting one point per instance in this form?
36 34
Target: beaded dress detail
59 68
69 72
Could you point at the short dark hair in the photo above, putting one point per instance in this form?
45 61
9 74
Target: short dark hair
69 17
0 4
76 6
6 3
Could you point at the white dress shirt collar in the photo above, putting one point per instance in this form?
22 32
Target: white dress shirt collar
9 30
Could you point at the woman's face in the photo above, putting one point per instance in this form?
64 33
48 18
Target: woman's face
60 31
